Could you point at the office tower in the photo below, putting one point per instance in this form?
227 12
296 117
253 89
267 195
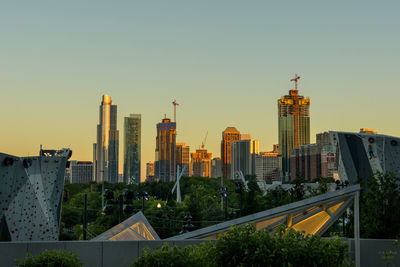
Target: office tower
243 155
165 151
132 148
267 165
107 147
81 171
183 158
150 171
294 125
228 136
201 163
216 168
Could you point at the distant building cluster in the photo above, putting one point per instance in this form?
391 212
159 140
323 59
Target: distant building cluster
293 157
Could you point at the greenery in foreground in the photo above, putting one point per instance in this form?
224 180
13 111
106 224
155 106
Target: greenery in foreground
200 197
52 258
379 205
246 246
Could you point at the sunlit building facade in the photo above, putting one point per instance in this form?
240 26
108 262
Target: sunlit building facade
165 162
228 136
107 147
201 163
294 126
183 158
132 148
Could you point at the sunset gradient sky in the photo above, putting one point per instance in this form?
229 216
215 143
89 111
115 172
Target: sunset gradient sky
225 62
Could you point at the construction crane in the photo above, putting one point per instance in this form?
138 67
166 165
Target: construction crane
204 141
175 104
296 112
295 80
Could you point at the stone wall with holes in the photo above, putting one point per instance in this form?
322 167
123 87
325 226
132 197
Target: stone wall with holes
30 197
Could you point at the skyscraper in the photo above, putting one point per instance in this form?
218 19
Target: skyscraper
294 125
165 151
183 158
107 147
132 148
244 155
230 134
201 163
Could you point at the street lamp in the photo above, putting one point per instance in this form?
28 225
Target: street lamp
224 194
340 185
188 224
239 190
159 206
142 195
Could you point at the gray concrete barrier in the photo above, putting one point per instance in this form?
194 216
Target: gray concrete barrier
374 252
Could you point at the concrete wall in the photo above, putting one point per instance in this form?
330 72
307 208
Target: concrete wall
91 253
374 252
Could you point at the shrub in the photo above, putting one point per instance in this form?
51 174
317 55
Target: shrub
246 246
52 258
176 256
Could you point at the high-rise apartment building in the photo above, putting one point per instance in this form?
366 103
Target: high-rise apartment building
132 148
107 147
201 163
183 158
81 171
267 165
150 171
294 125
228 136
165 162
243 155
216 168
314 160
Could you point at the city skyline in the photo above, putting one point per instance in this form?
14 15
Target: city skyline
228 70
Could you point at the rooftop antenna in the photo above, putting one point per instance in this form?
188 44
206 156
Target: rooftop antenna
175 104
295 80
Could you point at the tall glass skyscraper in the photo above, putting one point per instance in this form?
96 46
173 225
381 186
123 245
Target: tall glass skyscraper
294 125
132 148
107 146
165 151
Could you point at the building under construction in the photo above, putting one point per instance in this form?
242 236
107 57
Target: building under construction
294 125
201 163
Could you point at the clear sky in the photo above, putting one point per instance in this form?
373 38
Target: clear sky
225 62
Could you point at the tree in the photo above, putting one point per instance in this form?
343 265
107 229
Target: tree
379 207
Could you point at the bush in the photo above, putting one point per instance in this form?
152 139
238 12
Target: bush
52 258
176 256
246 246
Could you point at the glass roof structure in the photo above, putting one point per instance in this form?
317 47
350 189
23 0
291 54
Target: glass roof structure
135 227
313 215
